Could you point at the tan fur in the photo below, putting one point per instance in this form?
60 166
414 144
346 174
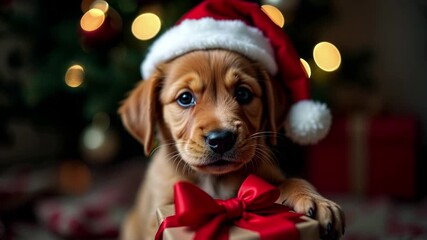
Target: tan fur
151 110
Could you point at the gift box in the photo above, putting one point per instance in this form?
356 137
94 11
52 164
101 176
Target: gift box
366 156
308 228
253 214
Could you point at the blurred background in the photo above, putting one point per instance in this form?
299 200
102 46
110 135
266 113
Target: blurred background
69 170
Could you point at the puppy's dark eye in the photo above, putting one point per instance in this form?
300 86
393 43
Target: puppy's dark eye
186 99
243 95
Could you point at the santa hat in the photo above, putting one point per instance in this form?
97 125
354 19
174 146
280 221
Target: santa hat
242 27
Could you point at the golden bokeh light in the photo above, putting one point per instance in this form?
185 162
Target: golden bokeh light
101 5
306 67
275 15
327 56
92 19
74 76
146 26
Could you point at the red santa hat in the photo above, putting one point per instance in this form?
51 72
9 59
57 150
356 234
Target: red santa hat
242 27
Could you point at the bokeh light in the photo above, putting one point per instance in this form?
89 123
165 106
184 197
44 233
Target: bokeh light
93 137
327 56
74 177
306 67
146 26
99 142
74 76
92 19
275 14
101 5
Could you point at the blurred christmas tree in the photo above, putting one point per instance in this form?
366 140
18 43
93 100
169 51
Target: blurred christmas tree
59 76
67 66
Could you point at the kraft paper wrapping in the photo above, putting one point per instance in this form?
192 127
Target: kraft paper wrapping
308 229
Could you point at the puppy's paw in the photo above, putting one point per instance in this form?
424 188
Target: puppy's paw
329 214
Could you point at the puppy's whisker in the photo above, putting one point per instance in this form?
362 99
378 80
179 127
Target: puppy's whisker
264 134
166 144
181 165
264 155
176 159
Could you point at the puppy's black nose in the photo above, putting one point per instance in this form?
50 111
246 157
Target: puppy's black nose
220 141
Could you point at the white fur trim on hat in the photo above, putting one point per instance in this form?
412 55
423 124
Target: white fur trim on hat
308 122
207 33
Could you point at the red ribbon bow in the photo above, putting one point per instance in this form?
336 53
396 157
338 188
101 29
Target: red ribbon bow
253 209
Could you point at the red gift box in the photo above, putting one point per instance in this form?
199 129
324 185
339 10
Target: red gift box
366 156
253 214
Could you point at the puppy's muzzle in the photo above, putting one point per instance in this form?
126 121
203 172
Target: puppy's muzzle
220 141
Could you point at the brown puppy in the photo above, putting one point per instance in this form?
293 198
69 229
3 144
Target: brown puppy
211 112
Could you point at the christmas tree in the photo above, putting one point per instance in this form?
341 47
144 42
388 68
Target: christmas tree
58 76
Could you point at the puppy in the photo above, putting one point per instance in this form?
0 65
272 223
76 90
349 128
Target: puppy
213 112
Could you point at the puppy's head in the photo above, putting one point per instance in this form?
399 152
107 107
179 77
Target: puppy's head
215 106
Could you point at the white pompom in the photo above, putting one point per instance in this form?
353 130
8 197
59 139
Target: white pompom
308 122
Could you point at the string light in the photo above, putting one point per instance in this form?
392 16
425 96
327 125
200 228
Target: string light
92 19
327 56
275 15
306 67
74 76
146 26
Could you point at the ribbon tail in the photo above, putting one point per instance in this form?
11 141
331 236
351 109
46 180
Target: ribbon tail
216 229
171 221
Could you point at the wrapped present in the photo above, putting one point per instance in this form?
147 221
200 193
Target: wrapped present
253 214
366 156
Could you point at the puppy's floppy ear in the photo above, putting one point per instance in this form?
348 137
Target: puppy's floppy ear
138 111
275 105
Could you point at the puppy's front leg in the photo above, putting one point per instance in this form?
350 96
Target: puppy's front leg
301 196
